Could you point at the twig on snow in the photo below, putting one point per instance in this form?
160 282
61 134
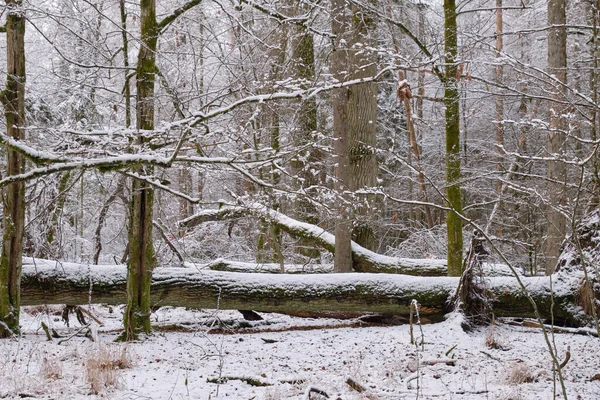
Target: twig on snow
355 385
311 389
87 326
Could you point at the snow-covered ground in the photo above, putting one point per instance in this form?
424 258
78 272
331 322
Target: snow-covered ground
293 358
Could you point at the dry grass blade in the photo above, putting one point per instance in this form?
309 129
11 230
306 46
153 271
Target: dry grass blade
519 373
103 367
51 369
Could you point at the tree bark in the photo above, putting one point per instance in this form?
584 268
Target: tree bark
303 165
49 249
141 259
125 50
13 99
451 101
339 67
557 169
362 124
499 98
404 95
47 282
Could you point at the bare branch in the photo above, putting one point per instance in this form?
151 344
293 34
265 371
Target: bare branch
166 21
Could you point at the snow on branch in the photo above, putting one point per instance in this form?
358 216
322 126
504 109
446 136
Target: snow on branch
364 260
162 25
199 117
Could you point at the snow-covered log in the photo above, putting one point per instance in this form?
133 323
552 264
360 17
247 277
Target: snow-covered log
364 260
221 264
46 282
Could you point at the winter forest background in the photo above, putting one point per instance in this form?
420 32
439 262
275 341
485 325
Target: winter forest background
408 137
155 134
395 122
212 62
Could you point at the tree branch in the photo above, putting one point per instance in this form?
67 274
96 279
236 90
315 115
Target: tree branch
363 259
166 21
408 33
302 21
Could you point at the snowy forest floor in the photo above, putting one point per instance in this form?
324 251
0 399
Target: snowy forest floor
292 358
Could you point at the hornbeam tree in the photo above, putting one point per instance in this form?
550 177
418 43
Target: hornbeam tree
141 258
451 102
13 196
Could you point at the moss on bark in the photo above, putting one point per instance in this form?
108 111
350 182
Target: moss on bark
382 293
141 258
13 99
451 97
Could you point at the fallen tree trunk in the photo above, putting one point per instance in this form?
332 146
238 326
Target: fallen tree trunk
221 264
364 260
46 282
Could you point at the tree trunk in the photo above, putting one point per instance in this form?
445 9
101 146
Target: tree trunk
339 64
125 49
47 282
271 117
452 114
186 185
13 99
557 169
141 258
102 218
48 249
362 124
403 266
404 95
421 9
499 98
593 77
305 134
